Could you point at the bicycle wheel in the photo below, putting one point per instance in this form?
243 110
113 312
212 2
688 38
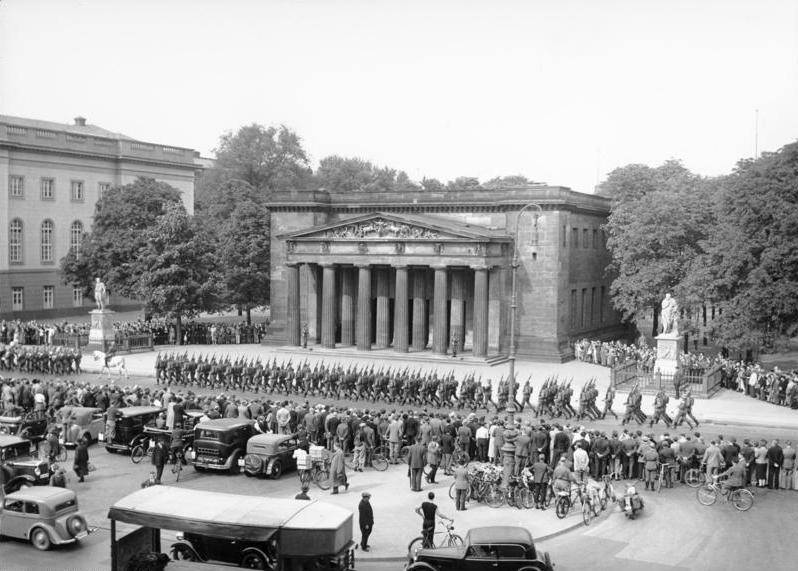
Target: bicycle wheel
603 500
495 496
694 477
548 497
659 483
453 540
321 477
562 506
451 491
177 469
137 454
379 462
742 499
595 503
414 547
706 495
404 452
528 499
587 511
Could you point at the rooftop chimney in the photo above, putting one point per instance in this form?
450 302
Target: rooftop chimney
80 121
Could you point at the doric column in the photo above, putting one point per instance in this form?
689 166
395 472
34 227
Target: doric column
439 330
419 338
292 322
363 334
400 325
480 311
383 309
457 315
347 307
328 317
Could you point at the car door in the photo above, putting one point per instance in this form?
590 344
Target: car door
287 454
12 519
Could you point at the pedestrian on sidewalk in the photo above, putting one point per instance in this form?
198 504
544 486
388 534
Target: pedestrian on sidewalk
81 465
460 485
433 459
366 520
415 465
338 469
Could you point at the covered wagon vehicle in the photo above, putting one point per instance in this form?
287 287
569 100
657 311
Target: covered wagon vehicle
44 516
130 423
80 422
271 454
501 548
17 468
247 531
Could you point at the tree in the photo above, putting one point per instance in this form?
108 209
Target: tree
177 275
655 230
463 183
432 185
750 268
244 250
343 174
110 250
512 181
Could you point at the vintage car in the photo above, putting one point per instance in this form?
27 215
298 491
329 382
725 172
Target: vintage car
501 548
31 426
19 469
130 423
80 422
220 443
271 455
248 531
44 516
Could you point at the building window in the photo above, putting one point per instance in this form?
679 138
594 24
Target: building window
564 237
17 298
584 308
574 237
595 239
601 305
48 296
75 235
585 243
103 187
77 191
47 241
15 241
48 188
573 309
77 297
16 186
592 306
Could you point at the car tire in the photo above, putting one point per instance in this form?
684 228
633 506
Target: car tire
234 467
40 539
255 559
420 566
275 469
137 454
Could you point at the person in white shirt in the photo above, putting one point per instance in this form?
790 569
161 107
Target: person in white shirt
302 464
483 437
581 464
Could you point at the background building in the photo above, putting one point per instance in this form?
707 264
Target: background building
411 271
51 176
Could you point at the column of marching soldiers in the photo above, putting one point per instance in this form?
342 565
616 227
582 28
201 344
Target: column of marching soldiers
403 386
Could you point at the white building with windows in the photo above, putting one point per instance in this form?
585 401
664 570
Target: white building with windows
51 176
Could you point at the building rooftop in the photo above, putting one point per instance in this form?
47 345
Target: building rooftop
79 127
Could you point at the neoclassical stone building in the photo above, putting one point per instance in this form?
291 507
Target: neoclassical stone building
419 271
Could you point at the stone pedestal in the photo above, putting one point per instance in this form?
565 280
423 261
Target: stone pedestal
668 353
101 334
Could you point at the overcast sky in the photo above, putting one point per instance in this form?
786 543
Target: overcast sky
562 91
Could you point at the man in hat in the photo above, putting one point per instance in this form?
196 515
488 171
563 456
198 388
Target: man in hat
366 519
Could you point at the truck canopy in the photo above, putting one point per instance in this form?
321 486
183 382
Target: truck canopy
305 528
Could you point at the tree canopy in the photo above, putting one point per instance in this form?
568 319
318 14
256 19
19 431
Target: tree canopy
118 233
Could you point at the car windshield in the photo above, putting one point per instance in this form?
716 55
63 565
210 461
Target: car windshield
66 505
209 434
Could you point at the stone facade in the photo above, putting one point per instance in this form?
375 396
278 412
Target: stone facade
340 262
51 176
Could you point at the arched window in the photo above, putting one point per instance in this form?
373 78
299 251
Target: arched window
15 241
47 241
75 235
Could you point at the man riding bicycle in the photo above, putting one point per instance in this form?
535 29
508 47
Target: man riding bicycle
735 476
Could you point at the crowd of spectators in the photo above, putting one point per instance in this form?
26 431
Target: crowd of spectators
163 331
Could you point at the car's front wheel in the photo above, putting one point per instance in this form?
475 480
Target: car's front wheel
40 539
275 469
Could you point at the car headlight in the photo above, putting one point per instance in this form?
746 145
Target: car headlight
37 471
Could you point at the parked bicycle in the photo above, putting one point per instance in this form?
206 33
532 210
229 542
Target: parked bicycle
444 538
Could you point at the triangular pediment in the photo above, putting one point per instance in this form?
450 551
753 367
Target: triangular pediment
386 226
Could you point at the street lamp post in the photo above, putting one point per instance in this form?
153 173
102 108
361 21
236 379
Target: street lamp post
514 303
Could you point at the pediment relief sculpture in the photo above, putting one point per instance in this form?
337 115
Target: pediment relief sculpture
380 228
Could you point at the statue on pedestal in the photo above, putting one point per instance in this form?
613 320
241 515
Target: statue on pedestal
669 316
100 294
